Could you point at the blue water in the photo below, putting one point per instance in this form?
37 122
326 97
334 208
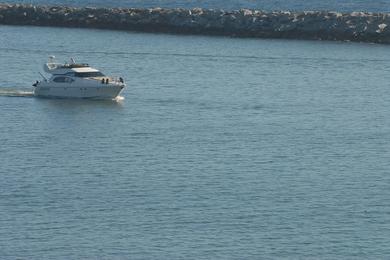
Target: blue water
336 5
220 149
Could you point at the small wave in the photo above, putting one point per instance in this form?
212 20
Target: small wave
14 92
119 98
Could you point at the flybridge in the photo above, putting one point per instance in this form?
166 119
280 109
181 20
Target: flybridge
91 74
75 65
55 68
84 69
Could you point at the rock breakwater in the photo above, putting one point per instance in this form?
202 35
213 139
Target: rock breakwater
316 25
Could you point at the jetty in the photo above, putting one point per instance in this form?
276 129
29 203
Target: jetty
309 25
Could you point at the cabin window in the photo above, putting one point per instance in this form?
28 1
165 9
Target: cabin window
89 74
63 80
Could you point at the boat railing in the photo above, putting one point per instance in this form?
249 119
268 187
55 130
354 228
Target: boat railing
114 80
117 80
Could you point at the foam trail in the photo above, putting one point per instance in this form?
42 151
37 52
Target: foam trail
15 92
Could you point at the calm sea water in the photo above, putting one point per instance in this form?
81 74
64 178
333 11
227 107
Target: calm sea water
338 5
220 149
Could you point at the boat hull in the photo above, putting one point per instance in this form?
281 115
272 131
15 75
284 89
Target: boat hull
98 92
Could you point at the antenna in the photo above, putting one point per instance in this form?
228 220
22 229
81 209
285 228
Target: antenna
42 76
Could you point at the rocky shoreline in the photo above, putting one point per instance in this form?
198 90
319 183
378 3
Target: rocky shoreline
313 25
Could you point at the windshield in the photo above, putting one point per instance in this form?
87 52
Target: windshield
89 74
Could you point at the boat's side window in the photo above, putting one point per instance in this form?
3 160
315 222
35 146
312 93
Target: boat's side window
68 80
63 79
59 79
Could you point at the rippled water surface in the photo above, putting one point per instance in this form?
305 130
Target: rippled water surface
220 149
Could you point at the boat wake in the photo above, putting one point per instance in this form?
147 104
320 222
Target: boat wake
119 98
15 92
24 92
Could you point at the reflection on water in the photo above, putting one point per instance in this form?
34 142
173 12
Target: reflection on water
64 103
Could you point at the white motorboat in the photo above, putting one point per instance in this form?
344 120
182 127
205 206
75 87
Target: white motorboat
77 80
